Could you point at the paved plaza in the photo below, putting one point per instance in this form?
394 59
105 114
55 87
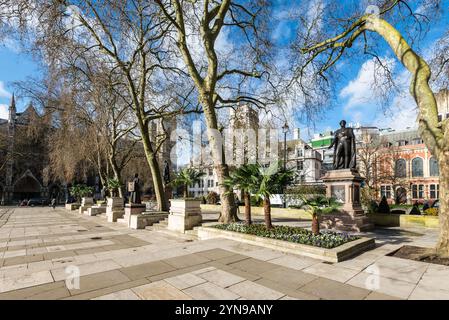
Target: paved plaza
40 247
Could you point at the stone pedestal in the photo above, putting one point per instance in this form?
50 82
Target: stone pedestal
344 185
95 210
114 209
132 210
72 206
86 203
184 215
141 221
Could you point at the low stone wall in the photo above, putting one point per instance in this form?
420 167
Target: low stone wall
404 221
258 211
337 254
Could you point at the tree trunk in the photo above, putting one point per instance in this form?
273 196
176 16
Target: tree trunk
228 207
315 224
154 168
443 243
267 212
186 191
247 197
117 176
434 133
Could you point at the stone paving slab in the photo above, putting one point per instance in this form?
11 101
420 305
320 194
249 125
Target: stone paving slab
334 290
210 291
118 263
254 291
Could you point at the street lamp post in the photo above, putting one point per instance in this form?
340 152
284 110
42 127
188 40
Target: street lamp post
285 129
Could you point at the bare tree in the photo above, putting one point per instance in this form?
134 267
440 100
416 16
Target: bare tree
195 27
323 51
127 37
367 151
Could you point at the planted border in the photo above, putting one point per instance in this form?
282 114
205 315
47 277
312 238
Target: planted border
326 239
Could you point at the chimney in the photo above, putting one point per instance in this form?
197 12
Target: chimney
297 134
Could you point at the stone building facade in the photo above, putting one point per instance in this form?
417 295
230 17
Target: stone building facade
24 159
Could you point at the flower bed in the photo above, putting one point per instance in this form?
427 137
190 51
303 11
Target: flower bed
326 239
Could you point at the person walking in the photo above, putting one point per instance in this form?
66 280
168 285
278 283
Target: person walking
53 203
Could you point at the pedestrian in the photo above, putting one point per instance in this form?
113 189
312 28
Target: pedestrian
53 203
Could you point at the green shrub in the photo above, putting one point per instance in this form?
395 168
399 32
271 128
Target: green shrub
384 207
326 239
431 212
212 198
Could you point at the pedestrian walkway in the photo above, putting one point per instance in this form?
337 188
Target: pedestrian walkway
40 248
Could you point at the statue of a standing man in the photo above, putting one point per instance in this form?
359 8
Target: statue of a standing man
344 148
135 193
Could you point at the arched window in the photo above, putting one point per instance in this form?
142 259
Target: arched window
400 168
417 167
433 165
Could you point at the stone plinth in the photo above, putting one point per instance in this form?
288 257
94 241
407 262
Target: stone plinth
114 209
344 186
132 210
72 206
140 221
86 203
96 210
185 214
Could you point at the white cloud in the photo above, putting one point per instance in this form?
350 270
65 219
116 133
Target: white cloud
4 112
362 89
363 99
3 92
402 113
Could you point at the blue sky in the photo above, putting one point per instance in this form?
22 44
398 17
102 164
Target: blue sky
14 66
355 102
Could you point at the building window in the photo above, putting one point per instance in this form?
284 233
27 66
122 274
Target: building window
433 165
300 152
385 191
417 141
210 183
299 165
417 167
440 117
211 172
402 143
434 191
400 168
201 184
418 191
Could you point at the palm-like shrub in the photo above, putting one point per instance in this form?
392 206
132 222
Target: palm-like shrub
245 178
270 181
317 206
187 177
79 191
113 186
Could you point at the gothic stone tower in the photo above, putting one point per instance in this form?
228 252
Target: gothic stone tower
8 192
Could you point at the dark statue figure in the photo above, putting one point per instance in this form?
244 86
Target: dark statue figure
344 148
135 191
166 173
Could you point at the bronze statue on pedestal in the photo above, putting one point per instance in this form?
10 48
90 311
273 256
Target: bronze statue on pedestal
344 148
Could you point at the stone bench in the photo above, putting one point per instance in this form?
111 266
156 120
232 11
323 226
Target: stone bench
140 221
